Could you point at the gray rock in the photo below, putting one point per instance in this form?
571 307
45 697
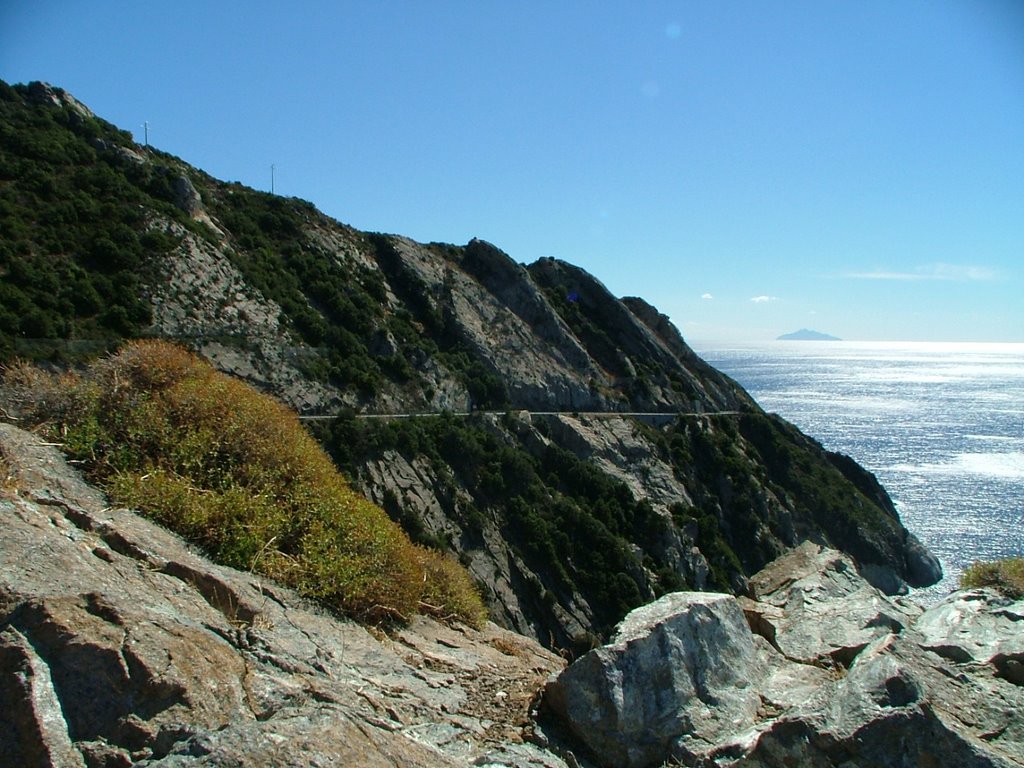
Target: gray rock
120 645
923 567
186 197
827 611
679 675
44 93
899 706
833 674
418 488
980 626
203 300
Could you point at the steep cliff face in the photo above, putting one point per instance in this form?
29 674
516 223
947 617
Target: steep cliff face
569 509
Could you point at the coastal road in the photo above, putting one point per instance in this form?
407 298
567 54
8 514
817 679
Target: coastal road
588 414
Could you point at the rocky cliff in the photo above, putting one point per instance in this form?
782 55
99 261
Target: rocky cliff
820 670
604 463
122 646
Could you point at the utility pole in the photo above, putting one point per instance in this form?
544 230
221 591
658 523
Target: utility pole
272 178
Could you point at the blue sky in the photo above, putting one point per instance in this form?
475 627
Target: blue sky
748 167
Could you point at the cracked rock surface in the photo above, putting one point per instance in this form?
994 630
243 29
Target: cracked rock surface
120 645
825 671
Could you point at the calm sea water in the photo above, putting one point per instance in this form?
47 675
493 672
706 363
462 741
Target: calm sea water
940 425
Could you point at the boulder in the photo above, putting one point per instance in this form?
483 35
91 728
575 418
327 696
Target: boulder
898 706
825 671
186 197
977 625
683 666
826 611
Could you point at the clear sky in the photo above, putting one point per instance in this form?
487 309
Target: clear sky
748 167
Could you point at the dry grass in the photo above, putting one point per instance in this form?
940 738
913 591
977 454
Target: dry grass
8 480
1005 575
233 470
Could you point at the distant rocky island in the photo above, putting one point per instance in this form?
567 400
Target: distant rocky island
805 334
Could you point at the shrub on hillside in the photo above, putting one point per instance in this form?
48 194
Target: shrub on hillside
234 471
1005 575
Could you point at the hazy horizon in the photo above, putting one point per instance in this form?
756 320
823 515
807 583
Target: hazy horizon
854 168
711 342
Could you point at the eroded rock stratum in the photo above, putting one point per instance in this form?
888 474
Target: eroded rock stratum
121 646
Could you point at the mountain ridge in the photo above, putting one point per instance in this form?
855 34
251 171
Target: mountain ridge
566 521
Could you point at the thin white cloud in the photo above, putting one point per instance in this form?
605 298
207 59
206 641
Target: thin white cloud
764 299
960 273
707 296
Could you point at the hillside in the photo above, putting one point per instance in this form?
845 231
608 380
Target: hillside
568 511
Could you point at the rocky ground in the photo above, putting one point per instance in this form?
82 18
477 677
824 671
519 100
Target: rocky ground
121 646
821 669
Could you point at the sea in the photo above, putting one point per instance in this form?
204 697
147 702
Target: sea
940 424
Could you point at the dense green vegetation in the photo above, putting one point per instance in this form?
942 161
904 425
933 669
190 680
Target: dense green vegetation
425 328
78 250
746 472
582 315
571 522
232 470
75 246
594 319
1007 576
339 306
756 485
330 303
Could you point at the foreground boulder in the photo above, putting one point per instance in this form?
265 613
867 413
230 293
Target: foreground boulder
119 645
814 607
826 671
976 626
685 664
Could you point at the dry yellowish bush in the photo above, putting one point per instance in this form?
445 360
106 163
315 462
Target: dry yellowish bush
233 470
1005 575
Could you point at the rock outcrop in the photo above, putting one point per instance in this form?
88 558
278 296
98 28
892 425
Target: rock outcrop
122 646
119 645
338 322
826 671
683 665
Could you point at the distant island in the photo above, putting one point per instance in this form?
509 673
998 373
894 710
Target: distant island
807 335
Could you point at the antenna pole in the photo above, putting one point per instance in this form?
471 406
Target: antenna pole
271 178
145 125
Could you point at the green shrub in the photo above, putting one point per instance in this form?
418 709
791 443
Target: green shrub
233 470
75 250
1005 575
